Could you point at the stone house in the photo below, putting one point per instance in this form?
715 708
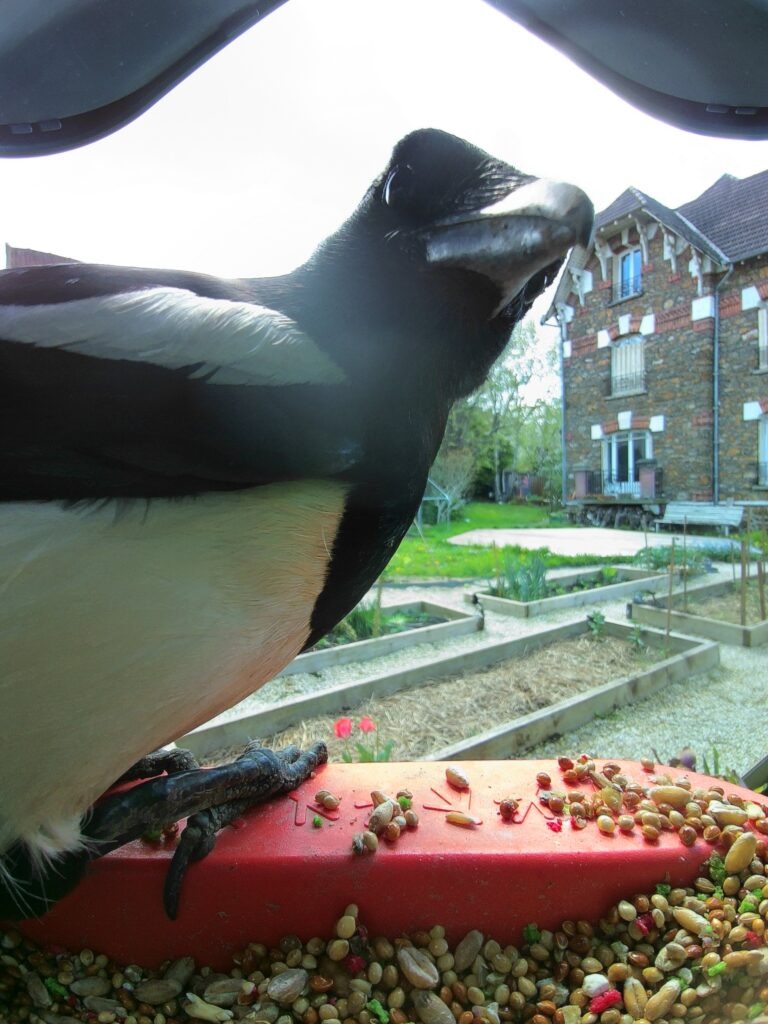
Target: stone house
664 335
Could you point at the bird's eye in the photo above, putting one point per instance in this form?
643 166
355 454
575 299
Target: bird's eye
398 184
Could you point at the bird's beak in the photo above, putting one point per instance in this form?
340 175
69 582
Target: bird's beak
512 240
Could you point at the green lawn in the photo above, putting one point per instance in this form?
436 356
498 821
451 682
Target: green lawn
433 557
485 515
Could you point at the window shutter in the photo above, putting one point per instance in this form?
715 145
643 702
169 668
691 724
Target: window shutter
628 366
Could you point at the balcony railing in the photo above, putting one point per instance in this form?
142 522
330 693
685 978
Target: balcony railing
615 486
595 483
624 384
762 474
627 287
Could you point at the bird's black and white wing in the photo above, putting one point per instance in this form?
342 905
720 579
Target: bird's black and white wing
120 382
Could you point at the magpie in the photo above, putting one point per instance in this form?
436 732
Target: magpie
200 477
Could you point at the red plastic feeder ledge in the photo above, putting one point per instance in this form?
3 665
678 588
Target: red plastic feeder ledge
277 873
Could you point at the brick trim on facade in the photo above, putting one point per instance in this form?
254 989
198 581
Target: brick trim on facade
673 319
730 305
580 346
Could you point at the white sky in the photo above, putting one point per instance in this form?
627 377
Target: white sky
254 159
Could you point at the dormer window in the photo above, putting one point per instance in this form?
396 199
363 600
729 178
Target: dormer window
628 277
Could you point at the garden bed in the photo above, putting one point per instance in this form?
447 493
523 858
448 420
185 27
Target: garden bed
575 590
713 611
438 623
527 683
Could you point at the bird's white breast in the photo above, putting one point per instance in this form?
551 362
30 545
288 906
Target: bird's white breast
125 626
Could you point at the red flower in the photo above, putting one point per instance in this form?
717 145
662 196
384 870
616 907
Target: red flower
367 725
604 1001
342 728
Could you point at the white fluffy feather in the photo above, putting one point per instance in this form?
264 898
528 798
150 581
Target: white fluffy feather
122 631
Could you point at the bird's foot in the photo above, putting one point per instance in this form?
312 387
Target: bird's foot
210 797
166 759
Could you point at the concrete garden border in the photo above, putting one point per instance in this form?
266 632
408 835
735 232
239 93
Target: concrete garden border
459 624
687 656
628 585
700 625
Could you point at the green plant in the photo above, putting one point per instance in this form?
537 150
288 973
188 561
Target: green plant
659 558
521 579
716 769
608 574
636 634
596 623
367 621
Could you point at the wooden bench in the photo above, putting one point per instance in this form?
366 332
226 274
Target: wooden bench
698 513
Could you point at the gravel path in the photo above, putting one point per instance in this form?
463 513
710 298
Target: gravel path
726 709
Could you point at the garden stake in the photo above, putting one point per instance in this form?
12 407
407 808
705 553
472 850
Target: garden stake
377 607
744 572
669 595
733 561
762 544
685 565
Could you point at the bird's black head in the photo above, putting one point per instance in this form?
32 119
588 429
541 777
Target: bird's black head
433 175
446 252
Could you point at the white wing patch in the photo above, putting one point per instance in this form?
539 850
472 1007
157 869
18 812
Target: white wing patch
236 342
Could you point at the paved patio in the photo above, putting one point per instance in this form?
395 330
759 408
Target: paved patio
590 540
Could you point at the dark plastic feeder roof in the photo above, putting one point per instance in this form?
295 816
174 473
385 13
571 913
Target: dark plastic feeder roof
72 71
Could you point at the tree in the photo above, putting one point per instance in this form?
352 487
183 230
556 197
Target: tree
454 472
490 422
540 449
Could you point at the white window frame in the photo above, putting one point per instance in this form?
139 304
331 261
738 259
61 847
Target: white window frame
762 338
628 355
634 282
762 452
630 486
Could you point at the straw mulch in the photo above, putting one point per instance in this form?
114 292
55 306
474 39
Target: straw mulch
727 607
423 720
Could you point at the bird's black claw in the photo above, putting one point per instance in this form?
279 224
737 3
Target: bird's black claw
209 798
197 841
169 760
276 772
